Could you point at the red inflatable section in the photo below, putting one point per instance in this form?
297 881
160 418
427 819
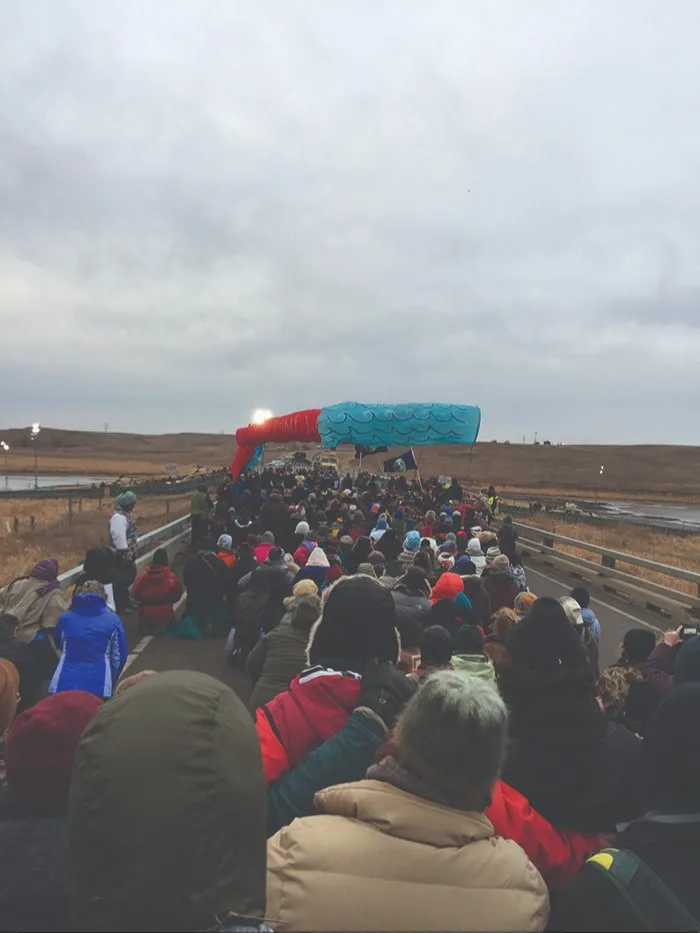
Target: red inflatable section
299 426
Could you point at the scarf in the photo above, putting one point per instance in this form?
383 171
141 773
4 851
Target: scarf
131 532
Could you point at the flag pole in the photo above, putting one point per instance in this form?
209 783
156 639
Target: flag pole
417 469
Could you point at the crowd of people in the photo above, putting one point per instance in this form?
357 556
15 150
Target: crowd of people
425 744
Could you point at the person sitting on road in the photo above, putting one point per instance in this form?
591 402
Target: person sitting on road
173 761
469 654
575 766
34 845
92 642
648 879
225 552
34 600
583 598
416 822
281 654
205 578
156 590
435 650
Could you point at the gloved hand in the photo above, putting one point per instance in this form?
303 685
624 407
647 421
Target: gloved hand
385 690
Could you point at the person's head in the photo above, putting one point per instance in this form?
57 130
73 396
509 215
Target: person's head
671 753
8 625
127 500
378 561
474 548
40 750
9 693
423 562
46 571
686 670
412 542
545 642
275 557
168 796
304 611
492 553
469 640
445 613
507 520
523 603
415 581
305 588
160 558
435 647
93 587
501 564
637 645
357 624
302 528
268 538
225 543
334 572
99 563
207 545
366 569
465 566
573 611
453 735
503 620
582 596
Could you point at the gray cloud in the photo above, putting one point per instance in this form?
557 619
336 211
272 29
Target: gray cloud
208 207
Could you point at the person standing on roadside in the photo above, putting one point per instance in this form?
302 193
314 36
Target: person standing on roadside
123 538
200 509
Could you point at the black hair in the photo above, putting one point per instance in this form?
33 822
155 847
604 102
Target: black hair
638 644
436 646
582 596
160 558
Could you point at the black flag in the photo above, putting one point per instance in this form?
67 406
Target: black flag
361 451
401 463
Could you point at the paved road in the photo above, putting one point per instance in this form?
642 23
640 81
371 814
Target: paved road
615 614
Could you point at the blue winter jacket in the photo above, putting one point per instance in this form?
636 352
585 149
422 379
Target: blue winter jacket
93 642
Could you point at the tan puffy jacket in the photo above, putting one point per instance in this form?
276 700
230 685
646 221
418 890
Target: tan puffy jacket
379 859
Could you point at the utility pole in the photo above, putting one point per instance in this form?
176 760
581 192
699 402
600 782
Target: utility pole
6 448
34 437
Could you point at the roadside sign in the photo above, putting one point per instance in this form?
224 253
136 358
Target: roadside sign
171 468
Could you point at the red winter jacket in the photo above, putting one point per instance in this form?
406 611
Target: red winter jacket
314 708
156 590
302 553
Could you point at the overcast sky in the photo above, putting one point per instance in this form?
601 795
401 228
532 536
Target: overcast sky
209 207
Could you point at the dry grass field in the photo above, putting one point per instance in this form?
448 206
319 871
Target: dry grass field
653 472
666 548
53 536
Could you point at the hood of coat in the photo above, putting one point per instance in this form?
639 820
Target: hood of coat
89 604
403 815
158 572
162 774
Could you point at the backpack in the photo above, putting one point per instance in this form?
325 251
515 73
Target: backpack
654 905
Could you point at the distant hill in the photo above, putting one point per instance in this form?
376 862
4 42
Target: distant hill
651 469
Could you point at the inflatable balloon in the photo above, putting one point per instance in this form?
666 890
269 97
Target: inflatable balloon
371 425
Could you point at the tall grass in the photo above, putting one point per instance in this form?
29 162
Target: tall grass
54 536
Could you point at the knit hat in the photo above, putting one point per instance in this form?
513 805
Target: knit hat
268 538
41 746
412 541
501 563
366 569
492 554
346 541
572 610
317 558
275 557
126 501
305 588
462 602
357 624
446 562
90 586
474 548
687 667
475 530
9 690
465 566
435 645
46 570
225 542
302 528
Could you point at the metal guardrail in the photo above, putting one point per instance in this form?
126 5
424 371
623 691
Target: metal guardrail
169 536
654 595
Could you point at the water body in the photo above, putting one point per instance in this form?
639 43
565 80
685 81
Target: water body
26 481
672 515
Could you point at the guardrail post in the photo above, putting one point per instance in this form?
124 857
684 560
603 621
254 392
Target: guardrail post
608 561
547 541
70 511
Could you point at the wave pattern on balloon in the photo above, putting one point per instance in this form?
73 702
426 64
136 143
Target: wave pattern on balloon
411 424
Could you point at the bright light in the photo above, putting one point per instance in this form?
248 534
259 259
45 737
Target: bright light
260 415
36 427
